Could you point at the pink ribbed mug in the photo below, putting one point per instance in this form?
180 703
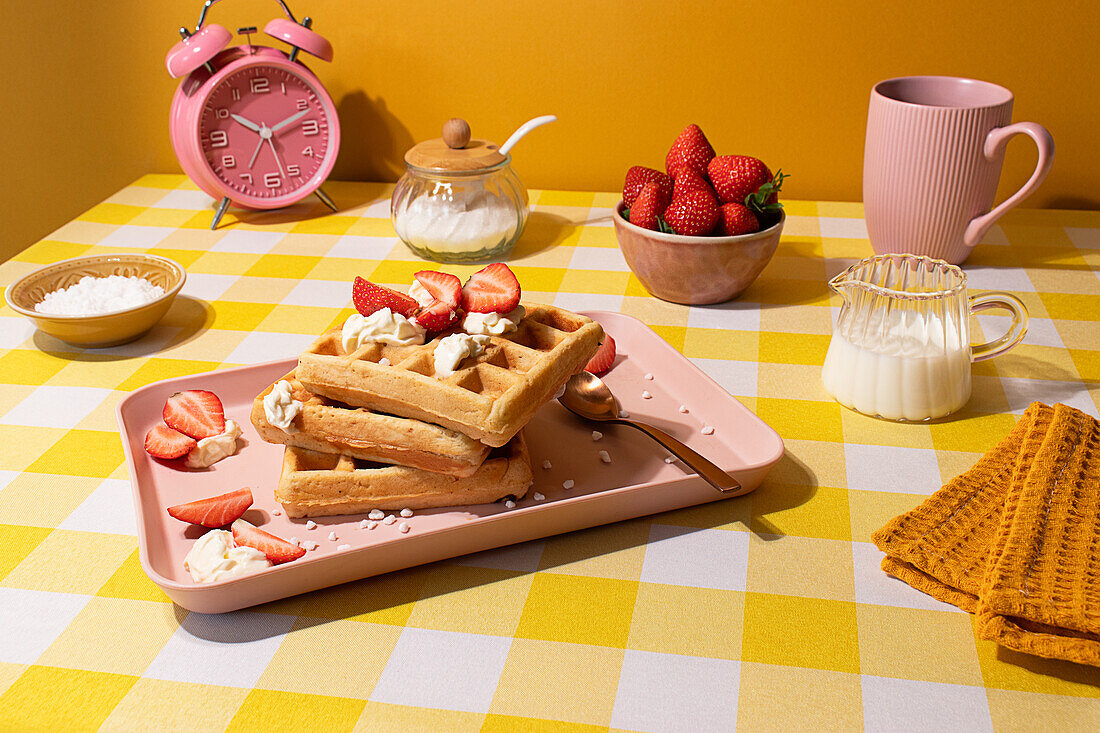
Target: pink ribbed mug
932 161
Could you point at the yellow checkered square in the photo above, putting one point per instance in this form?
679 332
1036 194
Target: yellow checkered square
472 600
774 697
193 707
49 565
130 582
383 599
380 717
802 419
18 542
577 609
275 710
51 698
799 509
801 566
613 551
889 638
43 500
113 635
801 632
81 453
698 622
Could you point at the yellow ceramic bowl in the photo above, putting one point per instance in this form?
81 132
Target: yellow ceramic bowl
102 329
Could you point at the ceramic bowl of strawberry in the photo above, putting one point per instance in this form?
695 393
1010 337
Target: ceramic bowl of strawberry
695 270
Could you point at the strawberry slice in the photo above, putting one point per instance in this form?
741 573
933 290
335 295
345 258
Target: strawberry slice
369 298
195 412
438 316
277 549
214 511
442 285
604 357
164 442
493 289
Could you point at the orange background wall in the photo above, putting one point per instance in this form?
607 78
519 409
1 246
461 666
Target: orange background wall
86 94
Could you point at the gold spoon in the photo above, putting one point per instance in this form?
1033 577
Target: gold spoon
587 396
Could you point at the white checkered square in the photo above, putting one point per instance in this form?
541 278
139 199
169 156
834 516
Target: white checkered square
56 406
15 331
893 705
323 293
377 209
842 227
598 258
1040 331
1013 279
442 669
874 586
109 509
231 649
185 199
260 346
248 242
735 315
736 377
132 235
32 619
599 217
1084 237
701 558
355 247
1022 392
669 693
588 302
207 287
893 469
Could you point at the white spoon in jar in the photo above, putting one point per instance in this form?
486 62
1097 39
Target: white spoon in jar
523 129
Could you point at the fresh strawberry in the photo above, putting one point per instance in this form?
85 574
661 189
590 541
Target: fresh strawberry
438 316
369 298
164 442
493 289
442 285
736 176
639 176
215 511
277 549
195 412
604 357
689 180
649 207
690 150
693 214
735 218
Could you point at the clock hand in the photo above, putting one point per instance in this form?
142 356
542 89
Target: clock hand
258 146
250 125
276 154
293 118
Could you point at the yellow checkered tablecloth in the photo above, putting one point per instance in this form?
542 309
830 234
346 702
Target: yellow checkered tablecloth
763 612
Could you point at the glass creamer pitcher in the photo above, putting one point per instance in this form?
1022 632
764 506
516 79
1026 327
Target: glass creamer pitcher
901 345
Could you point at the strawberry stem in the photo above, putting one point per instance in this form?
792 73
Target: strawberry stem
758 201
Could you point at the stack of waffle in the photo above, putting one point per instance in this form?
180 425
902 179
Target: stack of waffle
378 429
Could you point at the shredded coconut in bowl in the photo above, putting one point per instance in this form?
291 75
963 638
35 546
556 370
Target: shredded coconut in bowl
94 295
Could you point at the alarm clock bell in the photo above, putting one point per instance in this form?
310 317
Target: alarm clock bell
252 125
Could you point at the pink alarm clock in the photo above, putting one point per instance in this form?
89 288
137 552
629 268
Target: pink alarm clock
251 125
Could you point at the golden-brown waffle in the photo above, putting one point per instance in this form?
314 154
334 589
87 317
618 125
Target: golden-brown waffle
489 397
327 426
322 484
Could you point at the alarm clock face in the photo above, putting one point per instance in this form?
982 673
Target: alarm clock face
268 134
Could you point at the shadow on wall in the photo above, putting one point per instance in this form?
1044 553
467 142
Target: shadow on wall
372 140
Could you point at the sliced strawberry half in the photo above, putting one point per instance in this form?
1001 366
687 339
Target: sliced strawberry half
493 289
438 316
277 549
195 412
604 357
214 511
164 442
442 285
369 298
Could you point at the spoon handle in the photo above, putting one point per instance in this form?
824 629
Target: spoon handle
713 475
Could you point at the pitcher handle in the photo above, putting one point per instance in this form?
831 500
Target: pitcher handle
995 143
1015 333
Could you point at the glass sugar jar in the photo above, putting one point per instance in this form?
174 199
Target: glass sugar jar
459 199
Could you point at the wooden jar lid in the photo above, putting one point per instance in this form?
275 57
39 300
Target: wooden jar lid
437 154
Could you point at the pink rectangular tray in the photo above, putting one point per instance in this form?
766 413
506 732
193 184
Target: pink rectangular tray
636 482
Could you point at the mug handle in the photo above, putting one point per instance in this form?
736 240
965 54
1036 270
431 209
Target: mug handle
995 143
1015 333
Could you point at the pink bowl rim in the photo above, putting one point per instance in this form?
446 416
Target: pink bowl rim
707 239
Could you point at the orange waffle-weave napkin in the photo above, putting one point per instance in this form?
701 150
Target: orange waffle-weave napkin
1016 539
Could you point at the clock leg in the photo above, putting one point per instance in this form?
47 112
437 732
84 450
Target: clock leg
222 207
325 199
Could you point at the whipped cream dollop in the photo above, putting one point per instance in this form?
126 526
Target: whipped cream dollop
216 447
280 407
451 350
383 326
493 324
214 558
420 294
